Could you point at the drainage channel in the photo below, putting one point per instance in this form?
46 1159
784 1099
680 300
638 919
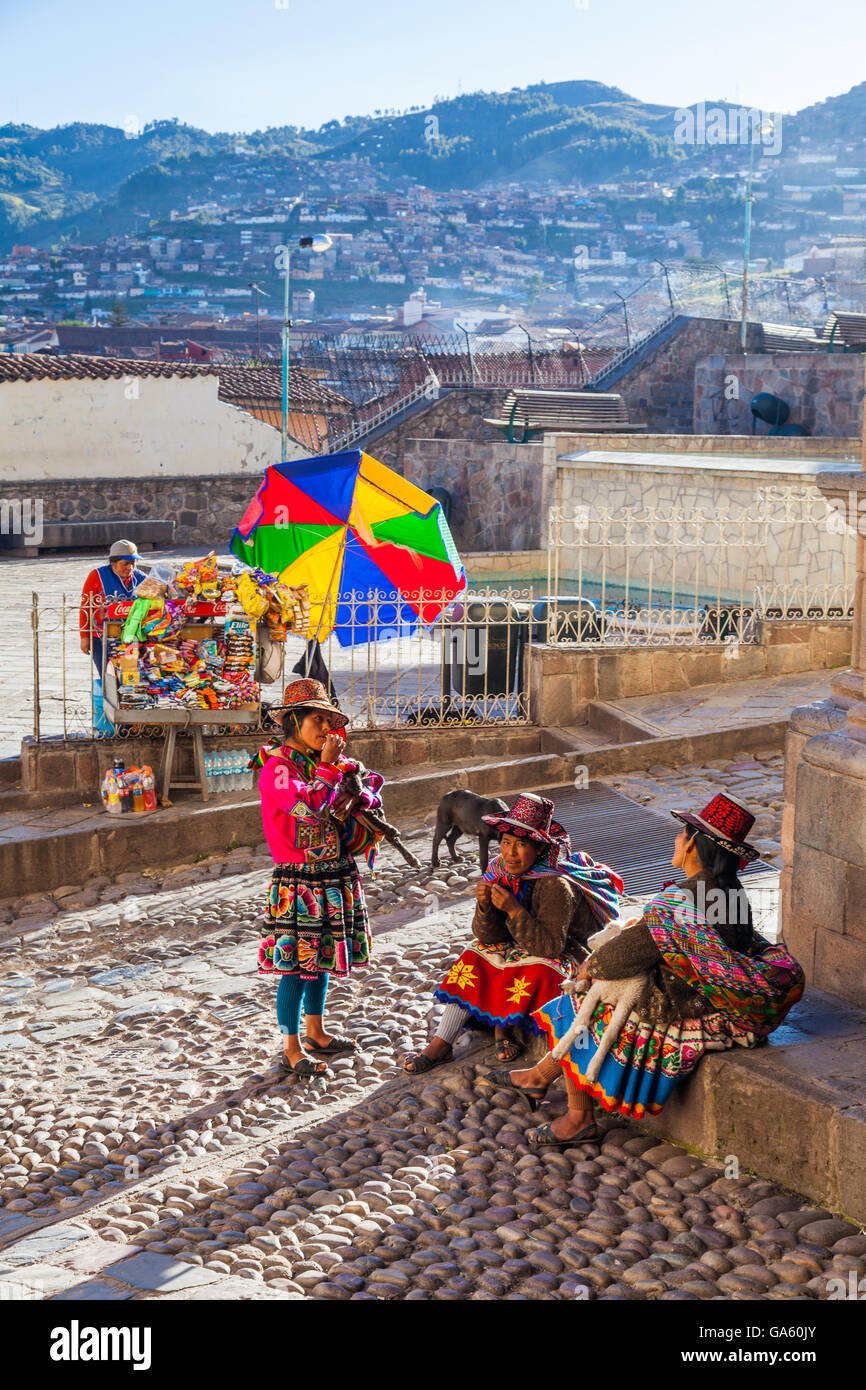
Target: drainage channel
620 832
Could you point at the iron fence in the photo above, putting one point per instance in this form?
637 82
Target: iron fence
468 666
680 576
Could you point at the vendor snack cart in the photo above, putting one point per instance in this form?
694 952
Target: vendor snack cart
188 650
124 676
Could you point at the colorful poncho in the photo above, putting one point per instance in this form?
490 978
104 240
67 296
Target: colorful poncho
599 884
750 993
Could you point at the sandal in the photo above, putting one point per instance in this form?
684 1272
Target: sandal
303 1067
421 1062
544 1137
508 1049
534 1094
331 1049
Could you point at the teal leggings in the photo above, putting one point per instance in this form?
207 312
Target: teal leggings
290 991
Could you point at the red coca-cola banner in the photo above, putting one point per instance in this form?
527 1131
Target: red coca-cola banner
193 609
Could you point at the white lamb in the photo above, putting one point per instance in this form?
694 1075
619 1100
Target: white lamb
622 994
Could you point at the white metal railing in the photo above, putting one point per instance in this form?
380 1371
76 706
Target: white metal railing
680 576
467 664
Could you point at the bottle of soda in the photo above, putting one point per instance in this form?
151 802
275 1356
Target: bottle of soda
125 798
110 796
148 788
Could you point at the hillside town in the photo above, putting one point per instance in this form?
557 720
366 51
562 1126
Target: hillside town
435 639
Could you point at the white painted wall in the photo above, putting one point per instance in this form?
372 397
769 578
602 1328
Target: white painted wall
136 427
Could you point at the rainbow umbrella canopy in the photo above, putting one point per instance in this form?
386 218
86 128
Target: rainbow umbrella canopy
375 550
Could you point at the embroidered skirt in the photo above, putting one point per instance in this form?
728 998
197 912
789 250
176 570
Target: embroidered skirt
316 919
646 1062
503 984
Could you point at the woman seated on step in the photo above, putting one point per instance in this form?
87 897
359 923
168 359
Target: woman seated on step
536 907
711 982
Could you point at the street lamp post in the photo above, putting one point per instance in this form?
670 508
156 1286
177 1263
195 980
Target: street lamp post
319 243
766 128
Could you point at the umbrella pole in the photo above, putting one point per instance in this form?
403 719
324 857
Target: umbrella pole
327 600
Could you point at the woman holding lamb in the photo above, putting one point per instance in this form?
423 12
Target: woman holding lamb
704 981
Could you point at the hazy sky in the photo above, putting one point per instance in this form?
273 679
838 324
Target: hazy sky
245 64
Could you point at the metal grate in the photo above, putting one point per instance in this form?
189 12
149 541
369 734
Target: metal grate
620 832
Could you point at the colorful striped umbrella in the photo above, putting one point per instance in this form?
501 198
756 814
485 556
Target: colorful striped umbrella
345 524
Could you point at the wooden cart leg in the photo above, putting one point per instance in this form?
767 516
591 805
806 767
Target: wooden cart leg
198 754
167 764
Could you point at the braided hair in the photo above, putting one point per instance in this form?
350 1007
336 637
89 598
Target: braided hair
730 912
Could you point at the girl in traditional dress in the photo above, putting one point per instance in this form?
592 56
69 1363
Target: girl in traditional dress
536 907
316 915
711 983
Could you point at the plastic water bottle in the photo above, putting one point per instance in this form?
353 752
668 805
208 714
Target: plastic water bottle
240 770
208 772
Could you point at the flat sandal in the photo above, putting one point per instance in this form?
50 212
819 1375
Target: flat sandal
544 1137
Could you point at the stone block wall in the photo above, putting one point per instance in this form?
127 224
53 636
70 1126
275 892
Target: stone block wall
779 551
495 488
659 387
825 391
824 851
457 414
564 680
205 508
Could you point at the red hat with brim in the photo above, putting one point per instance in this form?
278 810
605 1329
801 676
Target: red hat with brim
310 695
530 818
727 821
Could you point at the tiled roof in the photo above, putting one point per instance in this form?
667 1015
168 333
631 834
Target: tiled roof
263 385
237 385
34 366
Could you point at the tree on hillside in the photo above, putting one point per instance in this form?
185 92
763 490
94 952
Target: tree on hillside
119 314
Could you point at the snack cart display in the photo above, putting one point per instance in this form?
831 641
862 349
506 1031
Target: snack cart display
183 653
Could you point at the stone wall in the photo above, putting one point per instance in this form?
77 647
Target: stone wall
457 415
564 680
824 850
777 551
658 387
205 508
825 391
495 489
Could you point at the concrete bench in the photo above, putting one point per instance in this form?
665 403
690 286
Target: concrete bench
567 412
87 535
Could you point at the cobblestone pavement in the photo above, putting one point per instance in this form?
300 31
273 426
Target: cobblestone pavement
757 780
149 1147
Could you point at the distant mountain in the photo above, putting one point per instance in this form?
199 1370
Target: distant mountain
88 181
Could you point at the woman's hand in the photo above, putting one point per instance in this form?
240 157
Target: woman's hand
331 748
503 899
482 895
